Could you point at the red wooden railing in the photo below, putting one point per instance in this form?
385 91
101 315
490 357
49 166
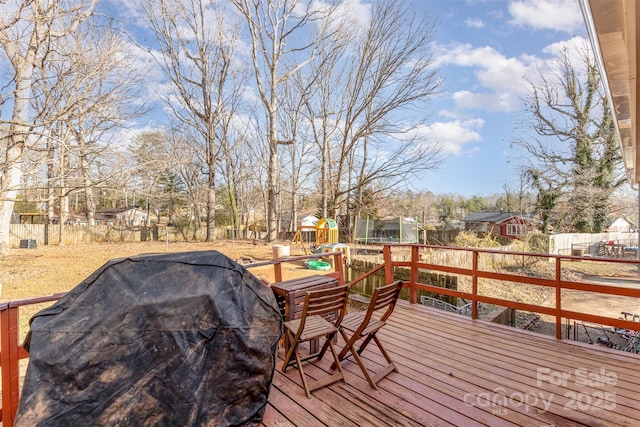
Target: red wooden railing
11 351
415 264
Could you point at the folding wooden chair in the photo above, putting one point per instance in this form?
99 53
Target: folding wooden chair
355 326
319 306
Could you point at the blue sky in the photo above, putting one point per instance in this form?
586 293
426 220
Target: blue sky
485 50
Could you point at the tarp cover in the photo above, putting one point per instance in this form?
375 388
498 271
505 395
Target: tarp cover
185 339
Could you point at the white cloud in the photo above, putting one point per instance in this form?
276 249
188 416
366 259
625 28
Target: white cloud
452 135
356 12
466 55
447 114
505 75
487 101
500 80
474 23
575 49
558 15
573 46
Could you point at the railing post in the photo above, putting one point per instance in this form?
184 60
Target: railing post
338 266
10 364
413 275
388 264
277 271
558 299
474 284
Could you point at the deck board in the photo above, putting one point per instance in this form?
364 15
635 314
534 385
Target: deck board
509 374
454 371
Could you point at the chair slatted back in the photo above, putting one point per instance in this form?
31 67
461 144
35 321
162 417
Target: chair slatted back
384 297
327 302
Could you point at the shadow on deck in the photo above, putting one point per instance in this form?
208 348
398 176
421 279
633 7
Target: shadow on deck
463 372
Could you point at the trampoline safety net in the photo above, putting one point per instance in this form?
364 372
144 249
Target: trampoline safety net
388 230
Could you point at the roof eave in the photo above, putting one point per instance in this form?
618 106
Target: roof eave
612 26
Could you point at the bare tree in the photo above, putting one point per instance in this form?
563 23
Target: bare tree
196 51
153 154
573 155
252 178
188 164
300 159
393 72
381 68
248 177
280 46
515 197
88 87
319 89
25 38
231 133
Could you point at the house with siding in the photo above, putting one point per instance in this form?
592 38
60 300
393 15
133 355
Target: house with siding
129 217
506 224
620 224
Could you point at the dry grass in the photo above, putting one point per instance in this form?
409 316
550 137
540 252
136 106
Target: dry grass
52 269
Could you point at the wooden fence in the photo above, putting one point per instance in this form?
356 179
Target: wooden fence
588 243
50 234
357 268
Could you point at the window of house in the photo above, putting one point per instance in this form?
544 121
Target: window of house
516 229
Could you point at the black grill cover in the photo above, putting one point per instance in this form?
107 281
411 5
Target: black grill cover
186 339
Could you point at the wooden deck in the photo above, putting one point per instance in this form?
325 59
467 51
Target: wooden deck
461 372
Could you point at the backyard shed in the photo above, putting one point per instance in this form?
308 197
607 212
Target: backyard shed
308 221
619 224
173 339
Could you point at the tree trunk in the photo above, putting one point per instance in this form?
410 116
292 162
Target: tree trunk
51 192
325 170
231 190
64 197
272 177
10 182
211 205
88 184
12 175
